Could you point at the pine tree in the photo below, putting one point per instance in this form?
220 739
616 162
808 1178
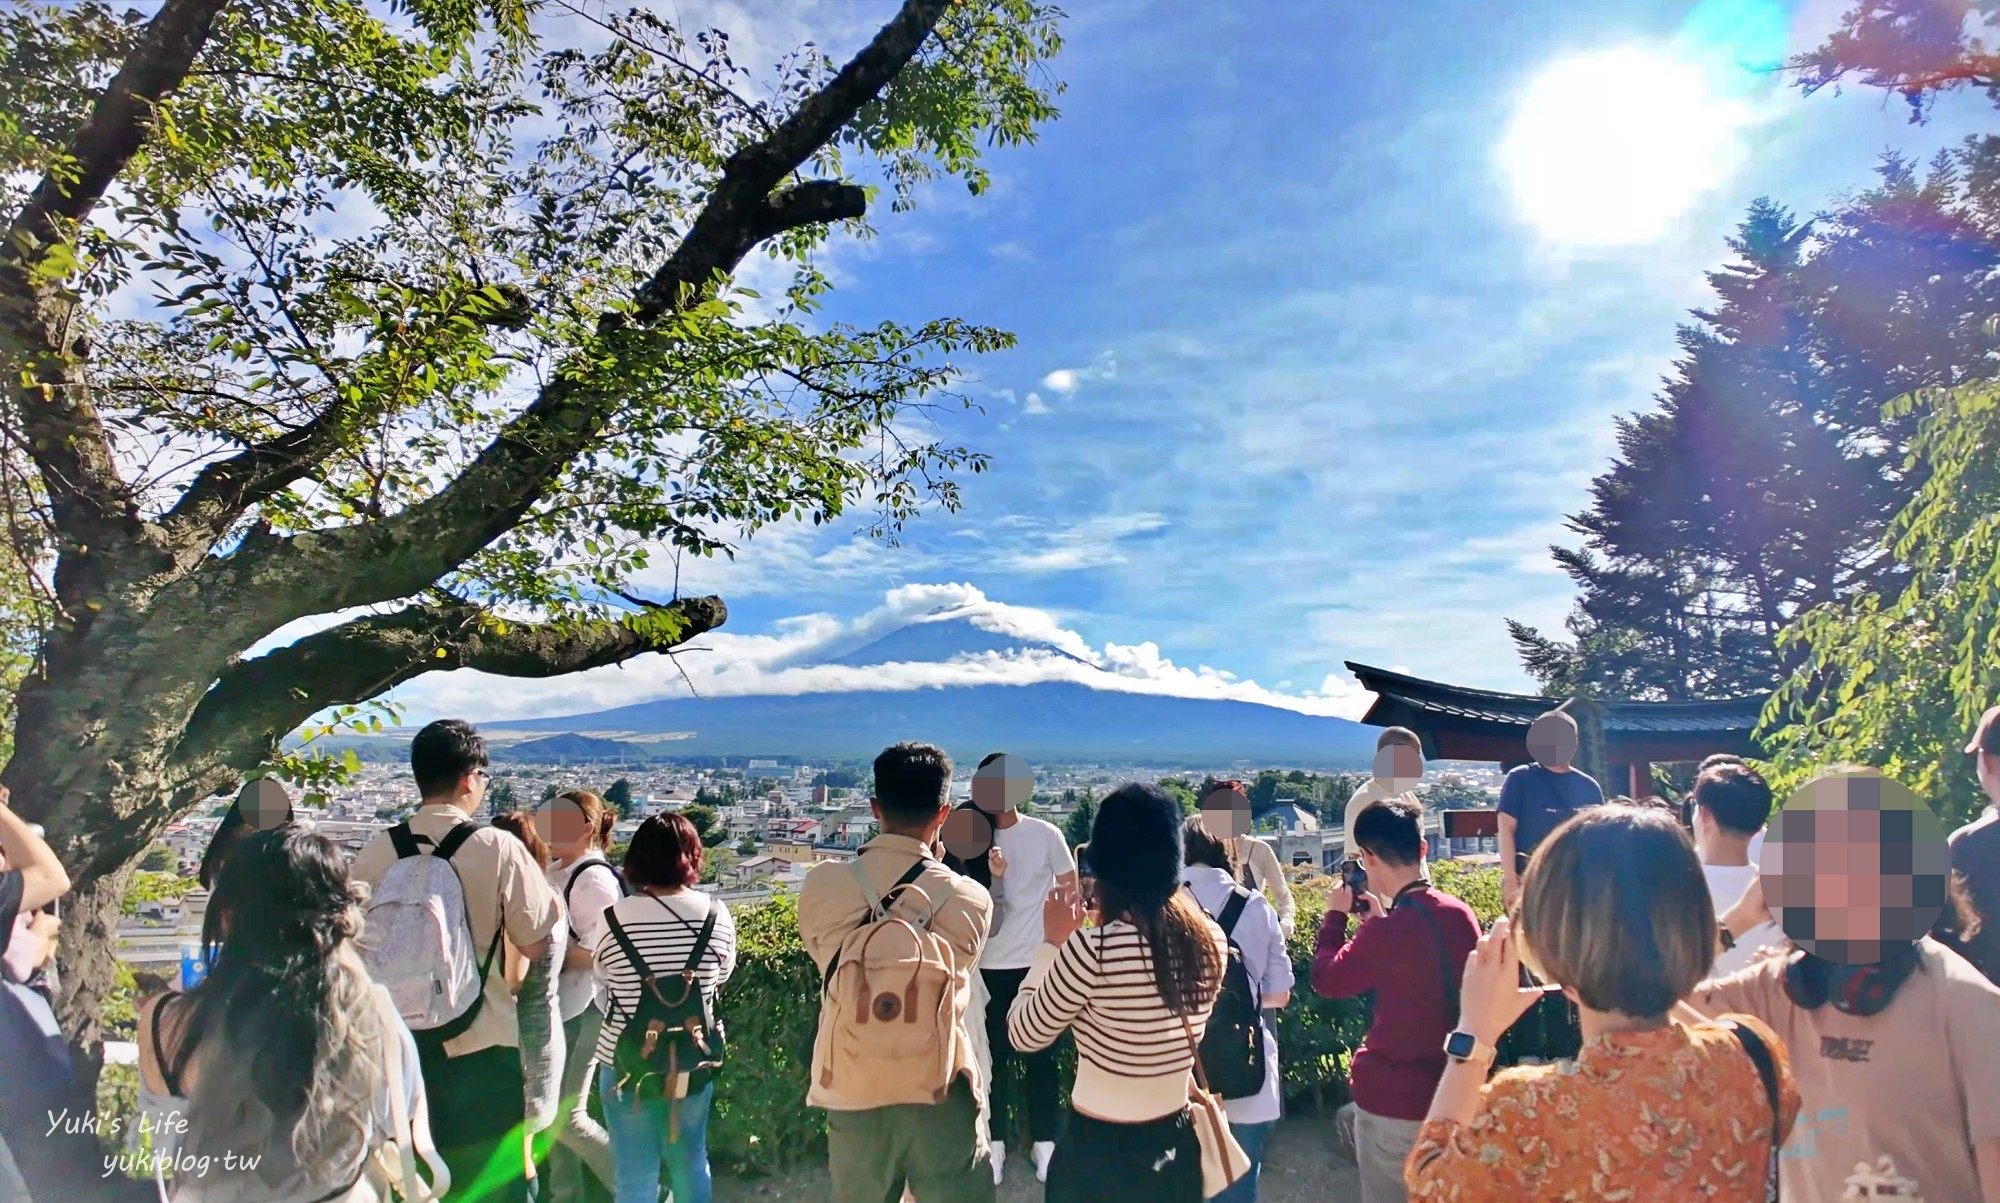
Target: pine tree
1761 483
1076 828
619 797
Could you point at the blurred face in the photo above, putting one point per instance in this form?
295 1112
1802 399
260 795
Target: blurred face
264 804
1989 774
1854 867
966 835
564 826
1552 741
1003 785
1225 814
1398 767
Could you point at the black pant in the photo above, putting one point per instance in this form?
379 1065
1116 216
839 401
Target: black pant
1158 1161
478 1120
1043 1088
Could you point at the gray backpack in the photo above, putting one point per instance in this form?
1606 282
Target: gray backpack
418 941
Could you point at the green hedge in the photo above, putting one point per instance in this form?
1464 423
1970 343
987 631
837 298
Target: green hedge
771 1005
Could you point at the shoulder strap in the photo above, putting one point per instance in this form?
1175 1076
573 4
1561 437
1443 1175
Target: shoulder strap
411 1135
168 1076
1444 955
454 840
877 906
701 939
402 841
625 944
1232 911
606 865
1760 1056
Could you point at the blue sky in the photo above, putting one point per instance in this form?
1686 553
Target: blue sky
1298 381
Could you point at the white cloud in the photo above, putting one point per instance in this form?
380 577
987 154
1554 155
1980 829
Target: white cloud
1034 405
1012 251
1089 544
1067 380
791 660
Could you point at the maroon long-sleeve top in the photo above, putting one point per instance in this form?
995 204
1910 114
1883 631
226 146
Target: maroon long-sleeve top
1399 958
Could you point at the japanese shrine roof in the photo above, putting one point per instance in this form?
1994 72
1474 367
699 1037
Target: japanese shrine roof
1453 705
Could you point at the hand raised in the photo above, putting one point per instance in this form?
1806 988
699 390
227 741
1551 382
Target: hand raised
1491 997
996 860
1062 914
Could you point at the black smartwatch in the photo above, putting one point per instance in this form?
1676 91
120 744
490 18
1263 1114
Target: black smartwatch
1462 1045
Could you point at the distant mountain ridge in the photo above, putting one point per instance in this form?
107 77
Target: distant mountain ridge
569 746
1067 720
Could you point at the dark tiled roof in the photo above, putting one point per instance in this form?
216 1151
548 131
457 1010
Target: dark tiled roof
1520 709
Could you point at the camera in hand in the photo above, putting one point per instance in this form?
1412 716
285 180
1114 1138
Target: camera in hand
1356 879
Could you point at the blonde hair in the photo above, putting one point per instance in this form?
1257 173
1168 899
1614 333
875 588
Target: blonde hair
1615 907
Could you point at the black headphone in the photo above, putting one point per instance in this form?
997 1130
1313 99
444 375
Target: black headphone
1813 982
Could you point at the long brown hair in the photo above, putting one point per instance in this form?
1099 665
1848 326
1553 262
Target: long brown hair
1140 821
288 1043
521 825
1187 968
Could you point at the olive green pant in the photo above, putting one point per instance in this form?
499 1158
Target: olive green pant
933 1149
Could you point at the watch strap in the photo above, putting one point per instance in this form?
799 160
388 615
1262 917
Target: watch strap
1481 1053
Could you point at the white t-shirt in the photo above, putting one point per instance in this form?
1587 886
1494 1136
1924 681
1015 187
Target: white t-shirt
595 890
1726 884
1036 855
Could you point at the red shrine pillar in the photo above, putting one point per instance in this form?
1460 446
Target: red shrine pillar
1641 781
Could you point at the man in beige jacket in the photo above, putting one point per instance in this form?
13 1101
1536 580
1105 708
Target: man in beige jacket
935 1151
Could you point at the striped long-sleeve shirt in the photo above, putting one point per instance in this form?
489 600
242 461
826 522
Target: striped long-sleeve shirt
663 929
1100 985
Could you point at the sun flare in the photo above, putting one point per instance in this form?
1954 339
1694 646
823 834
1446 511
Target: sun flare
1610 148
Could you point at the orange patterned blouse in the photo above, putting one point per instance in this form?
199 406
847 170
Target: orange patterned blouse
1676 1113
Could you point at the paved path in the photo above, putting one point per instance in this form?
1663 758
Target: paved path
1300 1166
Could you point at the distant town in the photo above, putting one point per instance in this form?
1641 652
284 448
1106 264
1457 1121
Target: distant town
767 822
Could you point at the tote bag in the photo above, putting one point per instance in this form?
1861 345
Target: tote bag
1223 1161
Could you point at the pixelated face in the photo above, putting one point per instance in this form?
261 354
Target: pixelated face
1552 741
264 804
1003 785
562 822
1225 814
966 835
1399 767
1854 867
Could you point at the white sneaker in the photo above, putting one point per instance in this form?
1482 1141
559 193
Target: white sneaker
1043 1150
999 1159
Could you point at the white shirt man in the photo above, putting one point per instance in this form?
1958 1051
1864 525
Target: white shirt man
1731 803
1030 857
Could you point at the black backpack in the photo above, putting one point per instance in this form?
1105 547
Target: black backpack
672 1043
1232 1048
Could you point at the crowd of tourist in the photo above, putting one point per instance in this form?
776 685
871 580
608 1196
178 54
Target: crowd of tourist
487 1012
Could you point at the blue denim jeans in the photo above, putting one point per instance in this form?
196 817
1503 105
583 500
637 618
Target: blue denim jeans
639 1144
1252 1138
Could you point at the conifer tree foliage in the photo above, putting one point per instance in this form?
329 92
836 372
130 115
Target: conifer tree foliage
1896 676
408 321
1764 479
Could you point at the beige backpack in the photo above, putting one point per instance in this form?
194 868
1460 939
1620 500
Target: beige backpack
887 1009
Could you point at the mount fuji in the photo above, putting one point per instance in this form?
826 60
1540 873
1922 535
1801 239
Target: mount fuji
973 678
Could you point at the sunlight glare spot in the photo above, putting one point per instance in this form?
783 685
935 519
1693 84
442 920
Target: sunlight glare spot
1611 148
